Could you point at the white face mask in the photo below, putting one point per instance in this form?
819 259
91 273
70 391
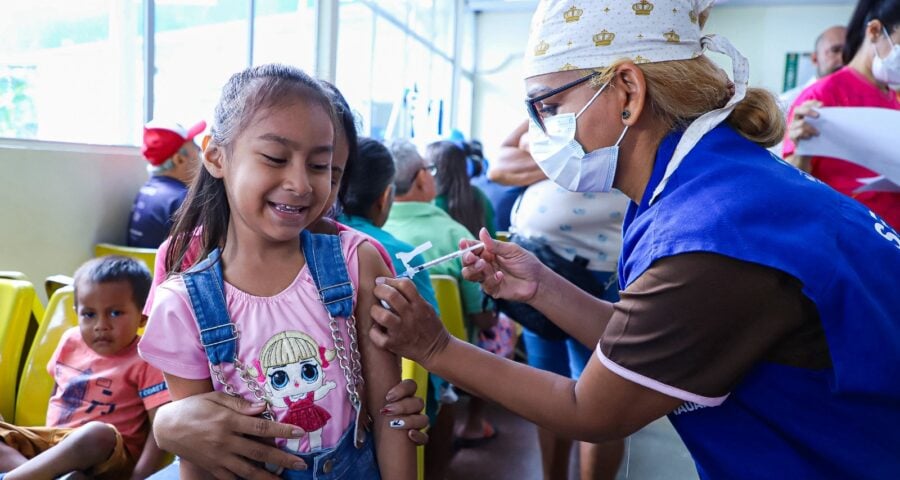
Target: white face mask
887 69
563 159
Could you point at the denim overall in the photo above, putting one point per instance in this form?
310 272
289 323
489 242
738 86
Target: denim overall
219 336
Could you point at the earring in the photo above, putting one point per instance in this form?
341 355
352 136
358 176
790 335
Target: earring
626 115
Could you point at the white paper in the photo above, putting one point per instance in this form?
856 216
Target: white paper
876 184
869 137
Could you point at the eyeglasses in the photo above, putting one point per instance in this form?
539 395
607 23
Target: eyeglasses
431 169
534 111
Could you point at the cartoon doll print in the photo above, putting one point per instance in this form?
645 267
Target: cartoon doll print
293 364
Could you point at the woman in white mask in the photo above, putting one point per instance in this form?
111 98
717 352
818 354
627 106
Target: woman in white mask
871 78
757 309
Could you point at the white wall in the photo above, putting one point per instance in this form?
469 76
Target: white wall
57 200
764 34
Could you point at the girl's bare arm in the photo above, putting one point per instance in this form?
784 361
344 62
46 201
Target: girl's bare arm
182 388
381 371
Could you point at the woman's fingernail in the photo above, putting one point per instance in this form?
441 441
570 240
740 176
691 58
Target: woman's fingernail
258 404
298 466
397 423
387 411
297 432
380 280
391 397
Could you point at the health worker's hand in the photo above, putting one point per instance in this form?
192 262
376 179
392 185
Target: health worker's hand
410 327
504 270
800 129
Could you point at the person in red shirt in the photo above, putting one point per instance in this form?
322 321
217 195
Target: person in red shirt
868 80
100 413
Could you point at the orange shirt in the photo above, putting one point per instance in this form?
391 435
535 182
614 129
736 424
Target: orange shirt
119 389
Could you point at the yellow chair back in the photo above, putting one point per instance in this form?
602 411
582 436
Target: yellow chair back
37 308
36 382
416 372
145 255
17 302
446 290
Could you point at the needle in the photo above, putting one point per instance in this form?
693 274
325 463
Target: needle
411 271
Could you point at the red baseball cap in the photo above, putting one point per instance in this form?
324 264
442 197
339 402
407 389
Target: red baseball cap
163 139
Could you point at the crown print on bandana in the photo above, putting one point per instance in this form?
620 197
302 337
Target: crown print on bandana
565 34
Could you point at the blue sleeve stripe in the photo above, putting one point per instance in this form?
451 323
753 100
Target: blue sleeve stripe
152 390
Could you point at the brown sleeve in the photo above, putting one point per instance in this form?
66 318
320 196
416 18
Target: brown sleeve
692 324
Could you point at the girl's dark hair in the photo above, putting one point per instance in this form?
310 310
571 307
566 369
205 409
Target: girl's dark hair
347 122
364 185
452 181
246 93
887 11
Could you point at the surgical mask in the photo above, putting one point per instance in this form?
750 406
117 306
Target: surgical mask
563 159
887 69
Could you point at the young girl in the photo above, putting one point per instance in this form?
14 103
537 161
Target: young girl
266 177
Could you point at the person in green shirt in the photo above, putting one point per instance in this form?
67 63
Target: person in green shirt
366 203
415 219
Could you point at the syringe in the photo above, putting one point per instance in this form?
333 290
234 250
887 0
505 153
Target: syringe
412 271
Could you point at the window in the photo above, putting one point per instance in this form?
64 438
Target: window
400 85
199 45
285 32
72 71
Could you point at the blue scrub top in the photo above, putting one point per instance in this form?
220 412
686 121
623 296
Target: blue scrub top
733 198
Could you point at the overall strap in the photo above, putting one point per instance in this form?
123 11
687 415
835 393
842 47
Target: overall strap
328 268
206 290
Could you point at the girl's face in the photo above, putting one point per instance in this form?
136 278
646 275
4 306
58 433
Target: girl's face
278 174
295 379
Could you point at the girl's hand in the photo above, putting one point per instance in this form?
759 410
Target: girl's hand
403 407
799 129
410 328
505 270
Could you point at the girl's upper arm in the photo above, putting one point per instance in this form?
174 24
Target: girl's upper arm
182 387
381 371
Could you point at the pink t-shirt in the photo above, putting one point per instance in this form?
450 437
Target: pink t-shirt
848 88
285 338
118 389
159 268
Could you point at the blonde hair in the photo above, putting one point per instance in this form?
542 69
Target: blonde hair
290 347
680 91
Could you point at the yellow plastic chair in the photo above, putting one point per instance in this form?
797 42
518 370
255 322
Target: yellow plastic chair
17 300
145 255
55 282
37 384
416 372
37 308
446 290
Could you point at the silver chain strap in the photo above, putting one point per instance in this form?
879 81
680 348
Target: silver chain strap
350 365
248 380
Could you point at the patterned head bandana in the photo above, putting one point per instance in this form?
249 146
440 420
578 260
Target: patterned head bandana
573 35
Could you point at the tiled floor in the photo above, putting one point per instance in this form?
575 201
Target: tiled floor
653 453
